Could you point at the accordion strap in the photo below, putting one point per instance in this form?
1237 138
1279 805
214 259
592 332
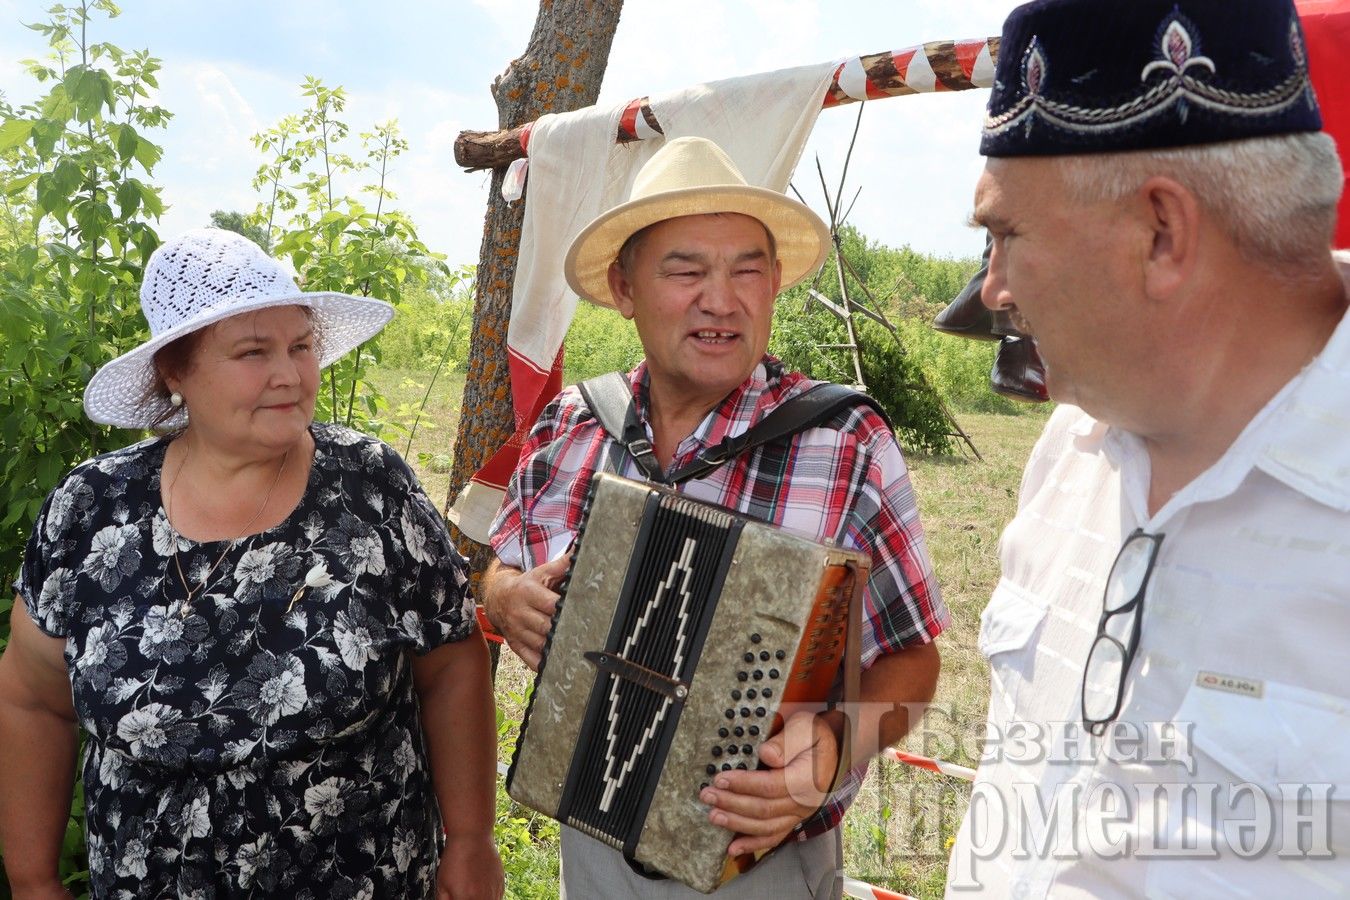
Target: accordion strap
610 398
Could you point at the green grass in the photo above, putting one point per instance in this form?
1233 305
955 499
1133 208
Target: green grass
899 832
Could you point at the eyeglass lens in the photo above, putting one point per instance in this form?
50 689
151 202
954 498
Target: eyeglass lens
1128 574
1103 679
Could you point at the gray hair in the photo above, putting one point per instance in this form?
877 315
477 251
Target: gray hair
1275 196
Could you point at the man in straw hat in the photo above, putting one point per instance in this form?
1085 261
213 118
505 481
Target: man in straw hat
1168 704
695 259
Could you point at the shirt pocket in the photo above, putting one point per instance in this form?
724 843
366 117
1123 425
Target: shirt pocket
1009 630
1269 758
1288 734
1010 620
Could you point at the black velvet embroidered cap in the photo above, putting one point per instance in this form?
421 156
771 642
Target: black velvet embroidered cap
1105 76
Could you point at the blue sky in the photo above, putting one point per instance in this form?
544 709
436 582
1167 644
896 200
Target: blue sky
232 69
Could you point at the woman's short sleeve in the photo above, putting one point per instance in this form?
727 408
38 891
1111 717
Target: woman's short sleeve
46 579
435 606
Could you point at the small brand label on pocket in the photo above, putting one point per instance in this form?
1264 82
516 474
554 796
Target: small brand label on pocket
1233 684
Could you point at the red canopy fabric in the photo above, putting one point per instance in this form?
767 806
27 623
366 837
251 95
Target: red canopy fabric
1326 24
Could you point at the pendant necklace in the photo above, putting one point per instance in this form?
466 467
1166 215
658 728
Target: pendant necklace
229 545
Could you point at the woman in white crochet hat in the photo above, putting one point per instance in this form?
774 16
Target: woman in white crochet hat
259 622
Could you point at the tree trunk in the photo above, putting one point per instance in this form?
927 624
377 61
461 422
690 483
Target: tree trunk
560 71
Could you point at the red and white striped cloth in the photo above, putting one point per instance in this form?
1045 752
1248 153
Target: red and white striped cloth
864 891
913 72
965 773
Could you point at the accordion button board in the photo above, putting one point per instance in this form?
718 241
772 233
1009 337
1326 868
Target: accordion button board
684 633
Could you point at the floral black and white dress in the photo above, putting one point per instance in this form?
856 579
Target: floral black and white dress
266 740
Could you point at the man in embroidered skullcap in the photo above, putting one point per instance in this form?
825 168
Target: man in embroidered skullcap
1166 644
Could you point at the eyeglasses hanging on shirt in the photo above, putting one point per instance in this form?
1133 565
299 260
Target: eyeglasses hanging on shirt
1117 641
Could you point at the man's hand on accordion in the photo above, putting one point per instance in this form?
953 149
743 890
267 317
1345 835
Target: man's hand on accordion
763 806
520 605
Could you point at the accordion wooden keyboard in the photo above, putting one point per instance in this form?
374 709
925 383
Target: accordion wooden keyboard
682 630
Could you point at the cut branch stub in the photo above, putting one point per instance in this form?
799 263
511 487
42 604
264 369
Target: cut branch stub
935 66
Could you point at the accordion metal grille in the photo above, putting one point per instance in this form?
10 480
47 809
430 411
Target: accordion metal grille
661 623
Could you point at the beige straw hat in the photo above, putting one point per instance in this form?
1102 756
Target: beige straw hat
691 176
197 279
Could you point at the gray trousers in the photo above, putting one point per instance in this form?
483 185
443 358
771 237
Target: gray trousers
801 870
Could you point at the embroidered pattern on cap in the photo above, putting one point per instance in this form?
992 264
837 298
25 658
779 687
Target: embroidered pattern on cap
1180 76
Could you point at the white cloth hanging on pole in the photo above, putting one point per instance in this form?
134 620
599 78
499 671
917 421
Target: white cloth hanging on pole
577 171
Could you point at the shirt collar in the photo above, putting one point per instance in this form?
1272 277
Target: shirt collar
730 418
1308 449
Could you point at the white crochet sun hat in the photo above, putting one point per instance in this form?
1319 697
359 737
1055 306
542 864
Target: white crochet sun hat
199 278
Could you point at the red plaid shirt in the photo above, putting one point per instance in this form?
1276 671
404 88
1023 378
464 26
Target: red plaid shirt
847 483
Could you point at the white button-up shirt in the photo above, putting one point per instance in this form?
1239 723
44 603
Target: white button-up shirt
1227 772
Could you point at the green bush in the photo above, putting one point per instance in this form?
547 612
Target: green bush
892 375
895 377
75 233
432 327
958 367
599 341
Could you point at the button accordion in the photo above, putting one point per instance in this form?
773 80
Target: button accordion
682 630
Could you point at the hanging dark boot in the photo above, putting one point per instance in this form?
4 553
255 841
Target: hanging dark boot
967 316
1018 370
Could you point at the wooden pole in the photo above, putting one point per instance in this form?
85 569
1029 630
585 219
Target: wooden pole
931 67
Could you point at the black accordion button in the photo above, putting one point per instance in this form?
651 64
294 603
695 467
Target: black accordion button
711 770
755 638
731 714
736 694
773 673
754 731
759 674
766 693
749 695
747 750
780 655
739 732
761 711
745 712
723 732
742 676
749 657
726 767
742 766
717 750
732 749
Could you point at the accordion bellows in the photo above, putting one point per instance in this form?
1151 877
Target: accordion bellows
682 631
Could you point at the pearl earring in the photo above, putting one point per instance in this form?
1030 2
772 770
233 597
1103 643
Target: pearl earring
176 399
